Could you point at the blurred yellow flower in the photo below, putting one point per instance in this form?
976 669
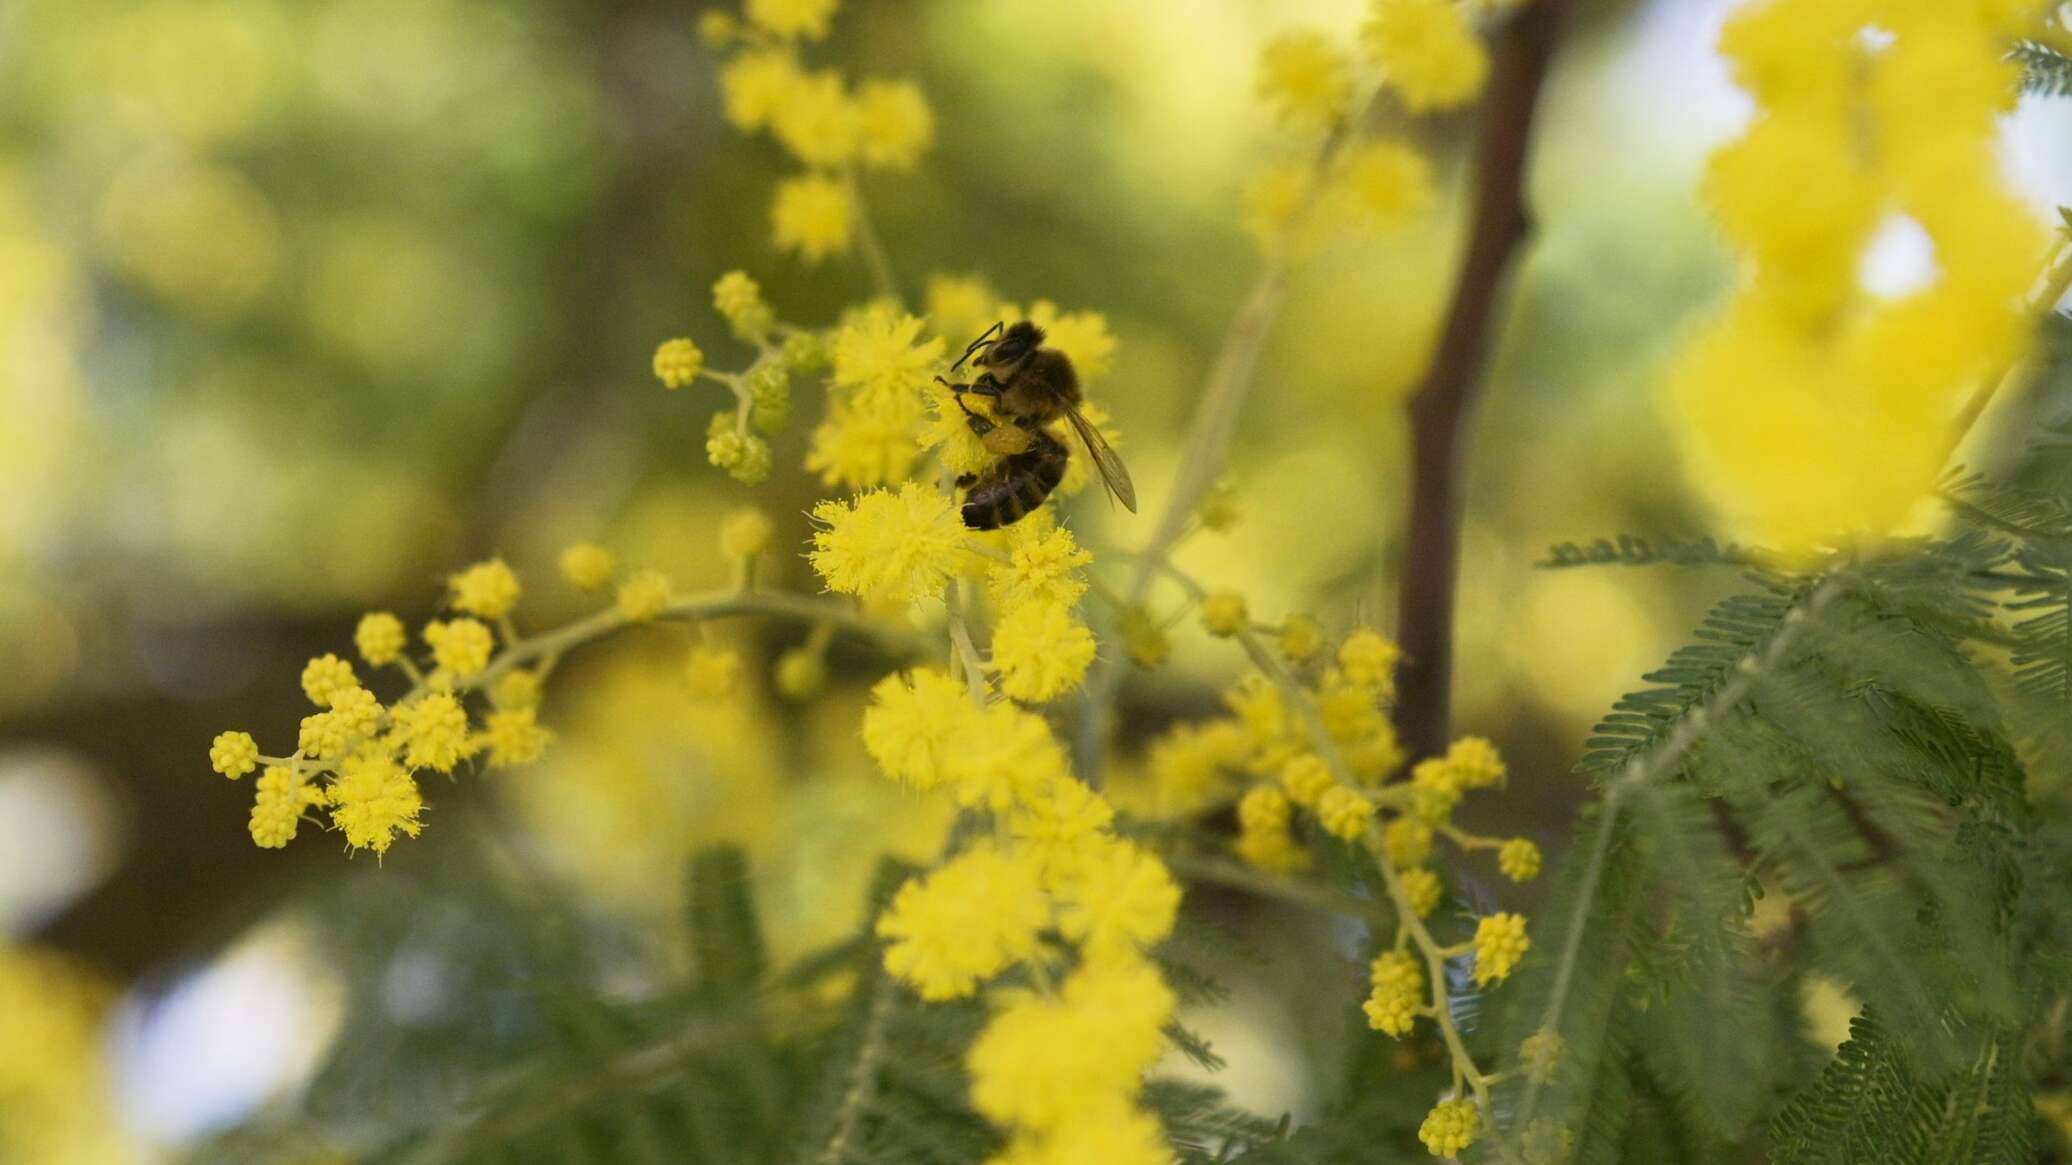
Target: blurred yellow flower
1118 900
817 122
643 596
895 123
1041 650
1305 78
489 589
964 923
588 566
678 362
1427 52
460 646
755 84
915 723
812 216
793 18
380 638
1042 1062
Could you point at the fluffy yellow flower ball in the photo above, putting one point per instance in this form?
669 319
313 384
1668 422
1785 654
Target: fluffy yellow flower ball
805 19
811 216
678 362
643 596
1398 992
1369 657
277 810
1407 841
1450 1127
712 673
964 923
900 545
895 123
325 675
489 589
915 723
739 300
1301 638
1306 778
372 800
1344 813
1224 614
1519 859
461 646
515 737
588 566
1423 889
1042 1062
434 732
1500 941
234 754
745 533
1042 652
1119 899
1305 79
380 638
1427 53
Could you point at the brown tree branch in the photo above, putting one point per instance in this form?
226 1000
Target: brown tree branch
1440 406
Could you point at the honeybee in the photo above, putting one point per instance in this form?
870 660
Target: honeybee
1030 386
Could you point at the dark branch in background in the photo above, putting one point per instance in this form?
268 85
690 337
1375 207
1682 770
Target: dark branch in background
1440 406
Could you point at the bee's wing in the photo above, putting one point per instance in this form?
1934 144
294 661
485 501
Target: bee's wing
1113 473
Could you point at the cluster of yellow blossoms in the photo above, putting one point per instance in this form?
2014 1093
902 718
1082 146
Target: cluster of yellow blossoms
1823 407
821 121
357 758
1052 891
884 409
1310 731
1041 901
1416 57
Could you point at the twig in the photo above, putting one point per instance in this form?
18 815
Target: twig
1439 408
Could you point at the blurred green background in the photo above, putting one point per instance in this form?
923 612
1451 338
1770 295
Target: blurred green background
303 304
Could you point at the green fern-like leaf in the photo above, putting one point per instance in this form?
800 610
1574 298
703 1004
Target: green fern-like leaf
1872 1103
2046 72
726 939
1632 550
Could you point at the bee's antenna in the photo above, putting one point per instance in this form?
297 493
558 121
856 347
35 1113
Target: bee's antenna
984 339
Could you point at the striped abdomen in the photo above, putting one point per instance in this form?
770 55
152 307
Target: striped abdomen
1005 493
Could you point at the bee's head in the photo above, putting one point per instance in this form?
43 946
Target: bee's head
1012 346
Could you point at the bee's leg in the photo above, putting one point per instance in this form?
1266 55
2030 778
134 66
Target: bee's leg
986 385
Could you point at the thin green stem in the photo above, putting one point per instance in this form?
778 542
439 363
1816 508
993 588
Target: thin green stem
698 608
867 240
1203 459
2001 393
863 1073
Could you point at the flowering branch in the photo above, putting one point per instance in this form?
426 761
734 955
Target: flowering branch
1439 407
